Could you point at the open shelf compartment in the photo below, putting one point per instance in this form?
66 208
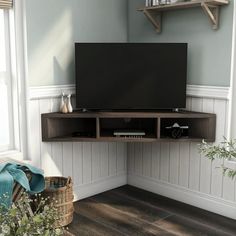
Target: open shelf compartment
68 129
198 128
110 125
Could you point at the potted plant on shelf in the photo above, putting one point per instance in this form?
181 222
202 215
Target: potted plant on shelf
226 150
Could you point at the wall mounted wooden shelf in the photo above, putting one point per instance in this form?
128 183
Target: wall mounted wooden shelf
210 7
100 126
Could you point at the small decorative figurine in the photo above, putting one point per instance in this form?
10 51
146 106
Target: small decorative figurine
69 106
62 102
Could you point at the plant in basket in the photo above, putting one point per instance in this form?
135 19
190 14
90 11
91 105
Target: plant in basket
20 220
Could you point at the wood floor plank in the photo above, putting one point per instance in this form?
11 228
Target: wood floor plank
180 209
184 227
84 226
113 218
129 211
133 208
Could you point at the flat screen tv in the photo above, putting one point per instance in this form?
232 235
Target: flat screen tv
130 76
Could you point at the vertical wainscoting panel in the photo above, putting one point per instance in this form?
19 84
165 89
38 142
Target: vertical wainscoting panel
217 177
195 158
206 164
112 159
138 162
104 160
147 163
184 164
121 158
178 171
67 153
156 160
96 160
165 161
94 167
87 162
131 158
78 163
174 163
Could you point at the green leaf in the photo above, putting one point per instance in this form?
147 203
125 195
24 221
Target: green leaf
37 219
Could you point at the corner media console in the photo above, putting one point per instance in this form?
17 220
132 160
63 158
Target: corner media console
101 126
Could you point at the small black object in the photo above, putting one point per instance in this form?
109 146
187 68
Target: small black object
82 134
176 131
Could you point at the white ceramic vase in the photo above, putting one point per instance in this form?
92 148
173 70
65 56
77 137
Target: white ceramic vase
64 108
62 103
69 106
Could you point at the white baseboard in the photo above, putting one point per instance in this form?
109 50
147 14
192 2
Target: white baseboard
197 199
88 190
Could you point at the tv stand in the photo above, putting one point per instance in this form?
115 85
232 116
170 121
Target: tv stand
100 126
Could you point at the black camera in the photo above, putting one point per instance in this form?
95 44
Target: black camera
176 131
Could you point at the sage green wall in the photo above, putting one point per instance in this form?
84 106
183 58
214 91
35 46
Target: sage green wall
54 25
209 54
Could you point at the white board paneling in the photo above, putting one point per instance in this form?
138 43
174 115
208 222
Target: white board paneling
87 162
217 178
206 164
165 161
121 157
194 167
138 162
156 160
131 158
174 162
55 104
77 163
112 159
96 168
67 153
196 104
57 169
104 160
184 163
147 159
189 103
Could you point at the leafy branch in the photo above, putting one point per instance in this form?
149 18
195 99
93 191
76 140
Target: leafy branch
226 150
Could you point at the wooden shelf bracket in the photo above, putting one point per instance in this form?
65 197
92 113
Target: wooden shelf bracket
154 18
210 7
212 12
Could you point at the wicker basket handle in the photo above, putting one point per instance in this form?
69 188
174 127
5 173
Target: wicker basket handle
69 181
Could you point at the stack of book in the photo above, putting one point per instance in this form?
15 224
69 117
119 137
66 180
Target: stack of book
150 3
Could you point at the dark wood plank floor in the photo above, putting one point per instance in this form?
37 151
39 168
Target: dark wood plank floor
131 211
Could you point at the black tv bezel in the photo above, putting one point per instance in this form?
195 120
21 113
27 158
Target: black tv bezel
130 108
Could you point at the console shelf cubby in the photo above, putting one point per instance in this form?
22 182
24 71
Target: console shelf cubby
100 126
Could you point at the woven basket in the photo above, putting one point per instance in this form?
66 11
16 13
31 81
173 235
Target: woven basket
60 190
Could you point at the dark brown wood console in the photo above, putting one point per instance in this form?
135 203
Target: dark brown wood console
100 126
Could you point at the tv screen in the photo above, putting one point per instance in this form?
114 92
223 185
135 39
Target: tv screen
124 76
